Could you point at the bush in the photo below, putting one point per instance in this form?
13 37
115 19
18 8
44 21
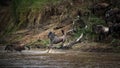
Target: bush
115 43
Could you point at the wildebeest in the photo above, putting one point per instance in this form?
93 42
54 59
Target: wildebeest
5 2
115 30
9 48
13 47
99 9
78 23
54 39
101 30
112 16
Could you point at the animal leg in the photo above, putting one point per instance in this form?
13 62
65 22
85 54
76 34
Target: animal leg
50 47
62 44
27 47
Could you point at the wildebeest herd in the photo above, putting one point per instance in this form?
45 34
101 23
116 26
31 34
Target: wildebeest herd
111 15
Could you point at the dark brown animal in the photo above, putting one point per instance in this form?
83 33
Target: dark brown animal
115 30
5 2
99 9
78 23
101 31
112 16
9 48
13 47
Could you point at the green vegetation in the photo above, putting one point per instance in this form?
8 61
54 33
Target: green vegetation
19 11
88 31
34 42
25 5
45 42
39 42
115 43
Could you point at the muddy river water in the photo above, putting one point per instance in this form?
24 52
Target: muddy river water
58 59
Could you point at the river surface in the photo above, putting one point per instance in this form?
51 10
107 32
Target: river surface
58 59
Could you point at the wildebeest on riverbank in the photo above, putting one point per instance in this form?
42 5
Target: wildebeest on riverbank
99 9
54 39
112 16
101 31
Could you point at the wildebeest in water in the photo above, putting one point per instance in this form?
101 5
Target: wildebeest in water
13 47
54 39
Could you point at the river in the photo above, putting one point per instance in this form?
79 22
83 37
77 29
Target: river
58 58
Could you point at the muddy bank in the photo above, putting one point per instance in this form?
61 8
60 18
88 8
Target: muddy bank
96 47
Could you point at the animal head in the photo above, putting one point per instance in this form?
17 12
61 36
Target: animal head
97 28
51 35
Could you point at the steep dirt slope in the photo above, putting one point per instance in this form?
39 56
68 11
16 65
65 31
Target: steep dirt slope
38 24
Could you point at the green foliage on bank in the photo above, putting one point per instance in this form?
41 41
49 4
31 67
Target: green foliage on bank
22 7
19 9
88 34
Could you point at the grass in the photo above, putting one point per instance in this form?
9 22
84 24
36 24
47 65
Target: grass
19 9
34 42
39 42
115 43
24 5
45 42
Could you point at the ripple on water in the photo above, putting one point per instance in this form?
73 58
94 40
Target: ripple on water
58 59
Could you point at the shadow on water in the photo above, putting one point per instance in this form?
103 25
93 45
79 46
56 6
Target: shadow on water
58 59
